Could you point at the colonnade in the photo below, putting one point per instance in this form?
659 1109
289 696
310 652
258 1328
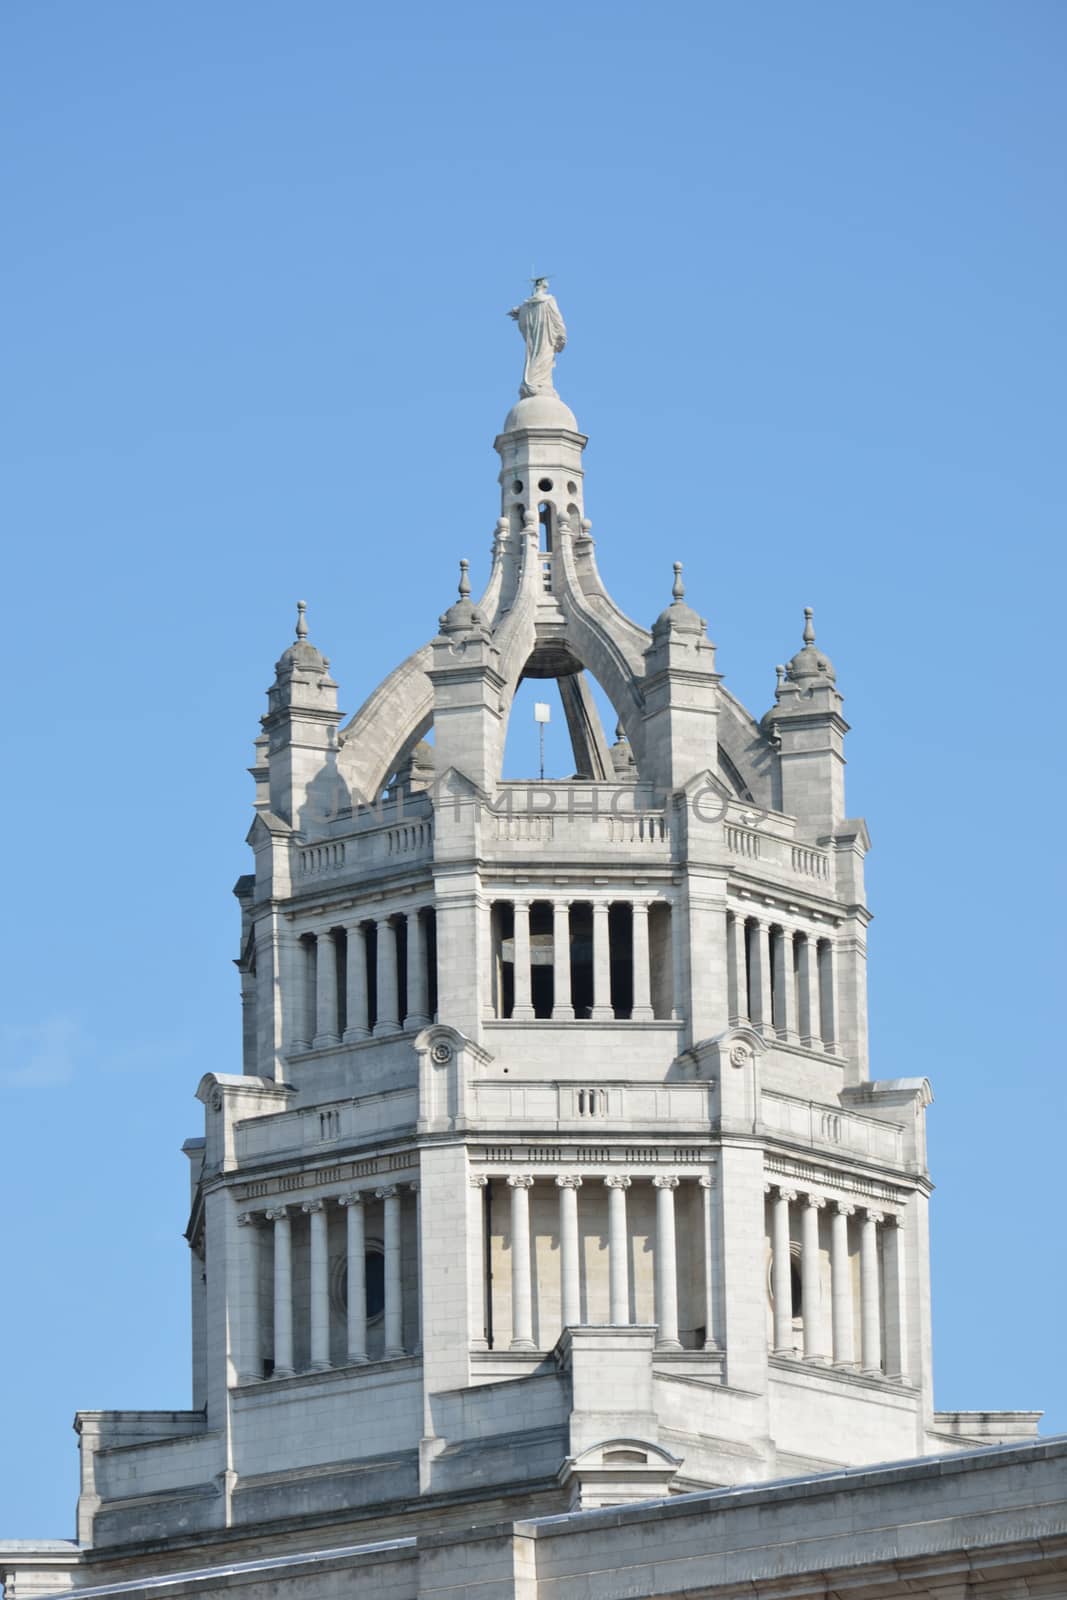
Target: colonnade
783 981
368 978
603 959
665 1256
828 1332
279 1220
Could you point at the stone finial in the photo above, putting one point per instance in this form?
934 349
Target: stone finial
464 580
780 685
678 587
809 664
301 619
809 626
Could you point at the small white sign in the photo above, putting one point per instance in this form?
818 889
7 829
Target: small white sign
542 712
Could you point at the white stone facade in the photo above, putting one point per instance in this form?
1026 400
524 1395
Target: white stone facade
555 1177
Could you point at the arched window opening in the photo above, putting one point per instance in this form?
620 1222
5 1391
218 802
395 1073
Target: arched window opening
661 960
621 947
542 976
582 960
503 949
544 516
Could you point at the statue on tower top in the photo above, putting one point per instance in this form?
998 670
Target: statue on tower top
545 333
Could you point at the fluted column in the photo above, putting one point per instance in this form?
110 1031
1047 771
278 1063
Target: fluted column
570 1297
827 995
602 1011
841 1286
357 1022
707 1184
325 992
786 987
896 1318
356 1262
248 1362
811 1278
283 1292
320 1286
388 1020
738 968
521 1307
870 1309
394 1305
522 1008
666 1266
618 1251
562 1004
808 991
418 973
760 951
642 1011
781 1271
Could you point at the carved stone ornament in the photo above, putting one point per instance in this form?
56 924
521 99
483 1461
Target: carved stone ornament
216 1100
739 1054
441 1054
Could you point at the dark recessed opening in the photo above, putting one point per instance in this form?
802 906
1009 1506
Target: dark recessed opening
545 484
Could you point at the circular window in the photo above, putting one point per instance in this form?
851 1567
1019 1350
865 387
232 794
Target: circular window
572 488
516 487
545 484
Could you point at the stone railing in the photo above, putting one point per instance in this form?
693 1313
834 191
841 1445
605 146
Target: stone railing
826 1126
380 838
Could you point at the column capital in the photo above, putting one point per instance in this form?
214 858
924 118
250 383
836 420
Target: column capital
355 928
277 1214
616 1180
568 1180
815 1202
872 1214
785 1194
520 1180
413 1186
708 1180
313 1205
353 1199
895 1219
662 1181
843 1208
478 1180
248 1219
389 1192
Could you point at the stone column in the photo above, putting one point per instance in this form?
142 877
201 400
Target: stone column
760 949
562 1005
479 1320
249 1364
320 1286
808 996
786 987
325 992
522 1009
570 1297
811 1279
711 1321
896 1320
618 1251
283 1292
357 1024
666 1266
602 1010
387 986
521 1308
738 968
356 1262
781 1272
827 996
870 1309
841 1285
394 1304
418 975
642 1011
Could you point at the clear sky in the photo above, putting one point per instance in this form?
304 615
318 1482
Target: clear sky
257 259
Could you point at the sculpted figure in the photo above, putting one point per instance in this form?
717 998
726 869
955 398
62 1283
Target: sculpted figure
543 329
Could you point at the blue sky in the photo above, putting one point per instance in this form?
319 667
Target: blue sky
256 265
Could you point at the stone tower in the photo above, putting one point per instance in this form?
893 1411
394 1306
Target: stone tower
555 1176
